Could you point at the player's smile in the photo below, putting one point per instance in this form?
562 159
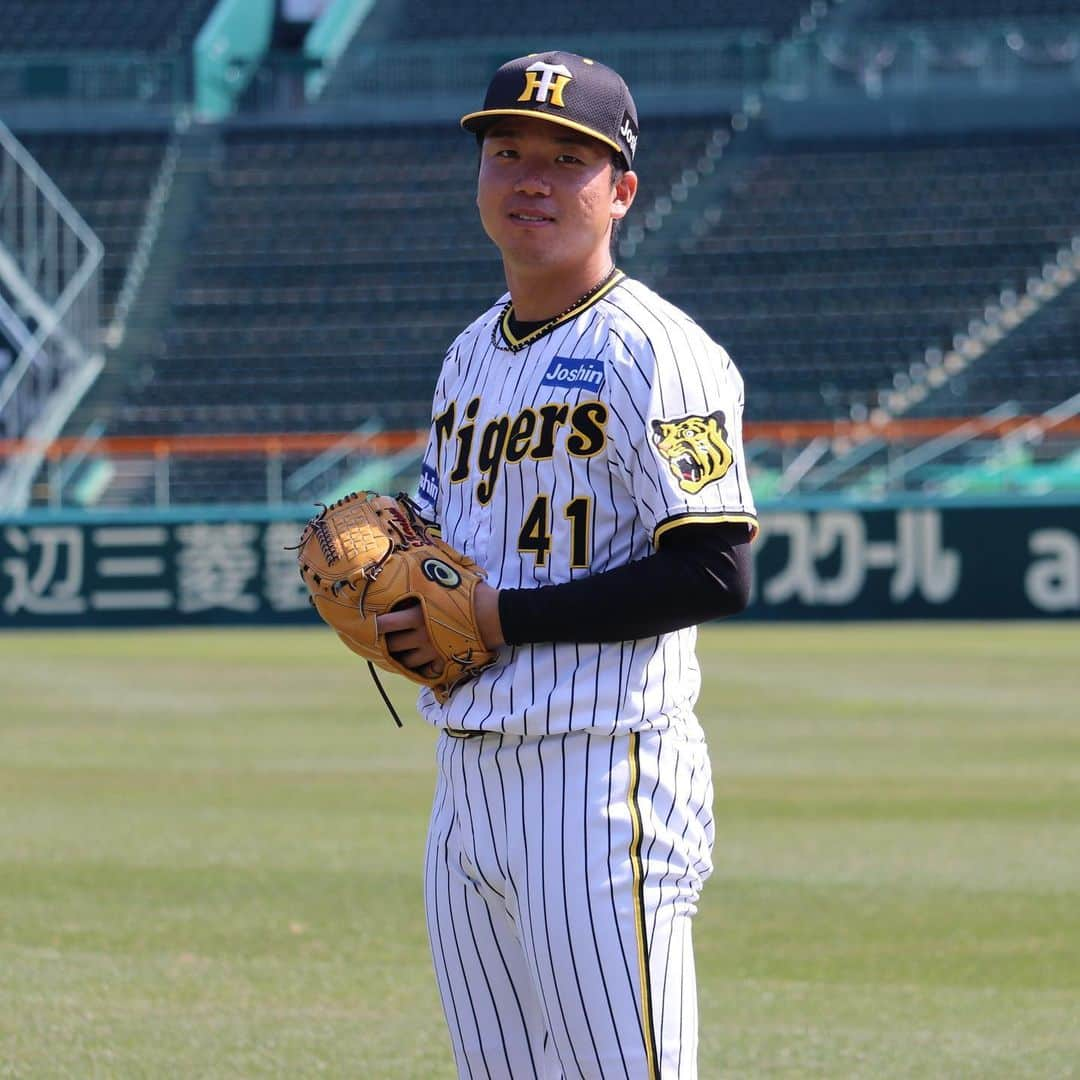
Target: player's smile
547 199
534 168
523 217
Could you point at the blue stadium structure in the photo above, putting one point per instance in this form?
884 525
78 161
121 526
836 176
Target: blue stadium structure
874 205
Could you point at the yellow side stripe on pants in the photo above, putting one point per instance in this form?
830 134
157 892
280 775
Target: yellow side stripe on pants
639 911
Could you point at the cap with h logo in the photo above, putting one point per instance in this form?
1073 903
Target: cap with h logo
566 89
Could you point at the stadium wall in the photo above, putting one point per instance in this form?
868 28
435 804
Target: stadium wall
815 559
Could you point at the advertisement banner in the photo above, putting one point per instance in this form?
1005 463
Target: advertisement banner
913 561
198 571
919 562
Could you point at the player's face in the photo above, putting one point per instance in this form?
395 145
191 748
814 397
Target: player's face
546 195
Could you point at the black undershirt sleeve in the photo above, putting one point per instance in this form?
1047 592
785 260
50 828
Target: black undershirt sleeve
700 572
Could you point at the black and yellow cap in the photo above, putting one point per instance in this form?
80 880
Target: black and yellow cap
566 89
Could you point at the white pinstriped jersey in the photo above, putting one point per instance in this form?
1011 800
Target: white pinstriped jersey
568 455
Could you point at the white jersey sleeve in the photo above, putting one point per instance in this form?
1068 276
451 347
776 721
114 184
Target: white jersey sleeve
676 402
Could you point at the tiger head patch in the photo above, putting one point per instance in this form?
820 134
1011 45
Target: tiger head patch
695 448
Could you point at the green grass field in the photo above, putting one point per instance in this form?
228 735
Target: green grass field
210 853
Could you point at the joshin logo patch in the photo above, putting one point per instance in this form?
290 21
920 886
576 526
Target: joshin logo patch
575 373
428 489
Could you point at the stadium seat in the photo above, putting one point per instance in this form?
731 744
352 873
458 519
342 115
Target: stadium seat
837 264
52 26
941 10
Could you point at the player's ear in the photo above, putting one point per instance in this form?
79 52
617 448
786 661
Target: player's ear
622 193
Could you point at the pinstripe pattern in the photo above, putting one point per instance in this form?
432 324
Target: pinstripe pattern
572 827
561 876
657 364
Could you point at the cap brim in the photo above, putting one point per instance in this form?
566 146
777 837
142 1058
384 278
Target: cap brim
474 122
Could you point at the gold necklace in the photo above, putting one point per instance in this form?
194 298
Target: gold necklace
501 323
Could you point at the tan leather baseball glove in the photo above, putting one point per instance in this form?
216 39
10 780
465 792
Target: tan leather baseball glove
368 554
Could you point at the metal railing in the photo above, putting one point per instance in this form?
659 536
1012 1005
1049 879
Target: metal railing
1011 452
874 58
674 61
881 58
786 458
50 292
128 78
144 245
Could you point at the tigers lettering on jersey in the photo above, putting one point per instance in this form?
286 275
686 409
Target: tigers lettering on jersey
549 455
533 433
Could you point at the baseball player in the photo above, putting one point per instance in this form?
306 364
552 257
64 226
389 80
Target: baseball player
586 451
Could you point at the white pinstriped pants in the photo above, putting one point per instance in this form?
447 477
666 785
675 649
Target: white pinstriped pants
562 874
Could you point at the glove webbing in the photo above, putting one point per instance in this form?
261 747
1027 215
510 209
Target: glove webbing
369 576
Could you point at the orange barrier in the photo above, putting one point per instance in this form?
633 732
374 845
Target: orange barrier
894 430
386 442
265 445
